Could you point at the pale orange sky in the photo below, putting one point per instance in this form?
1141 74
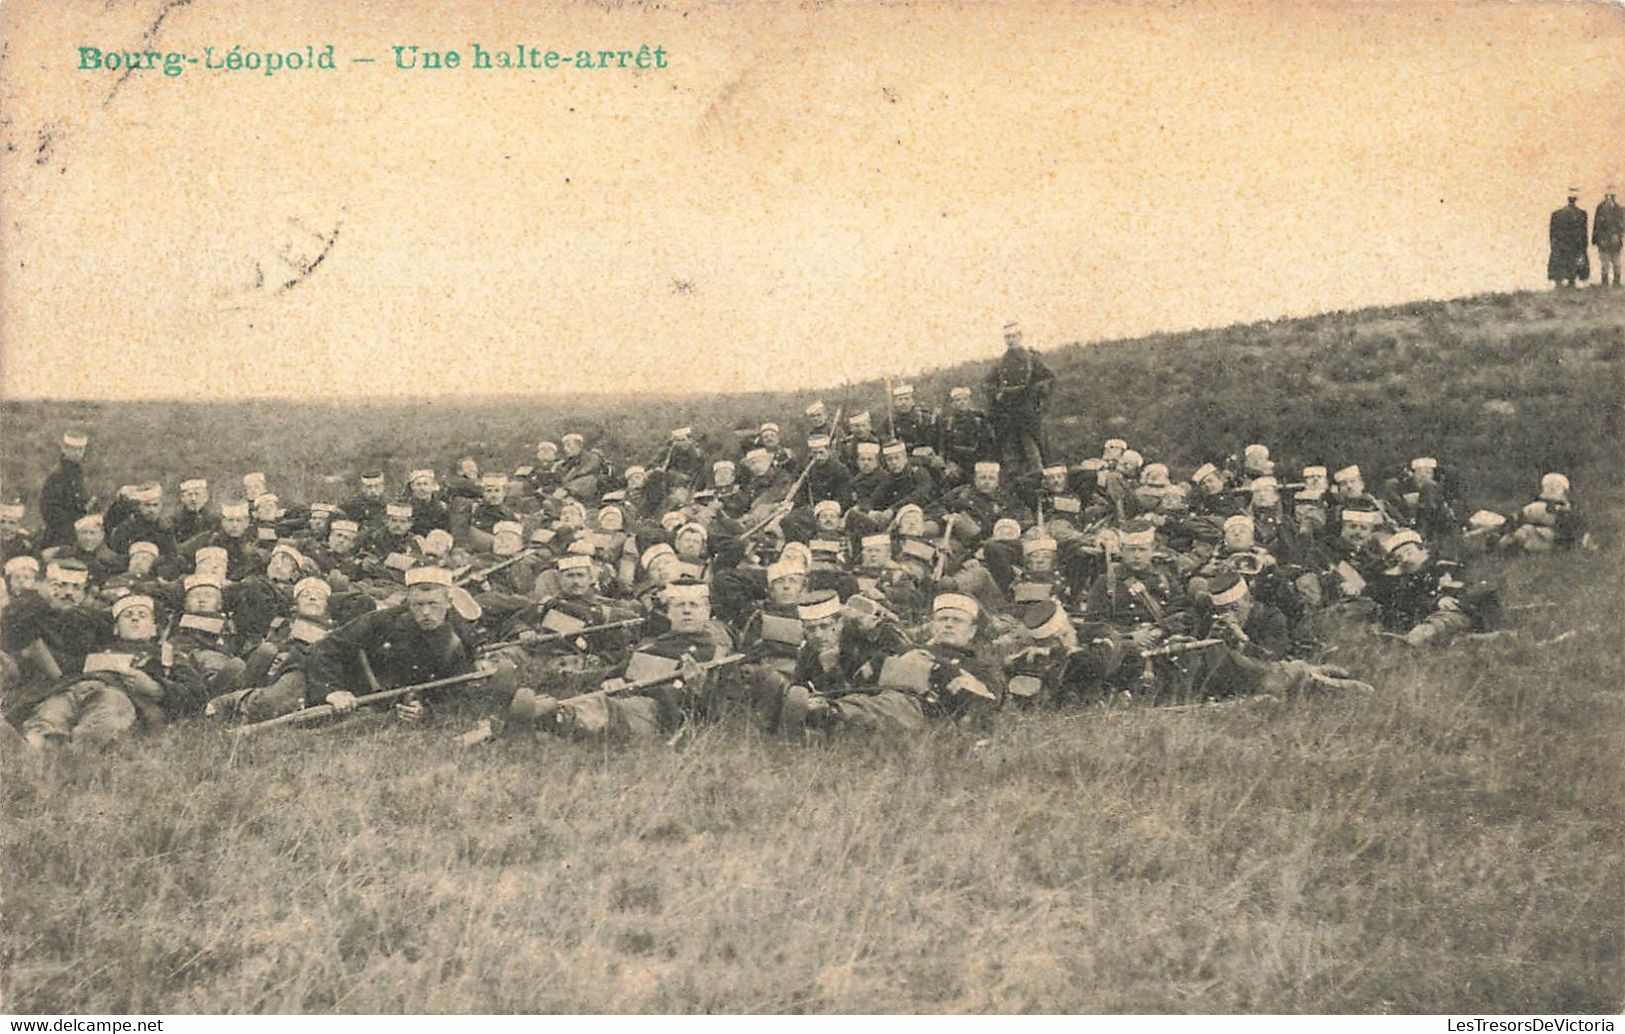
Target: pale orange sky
809 192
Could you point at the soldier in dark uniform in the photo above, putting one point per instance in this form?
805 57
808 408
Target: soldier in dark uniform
829 477
910 424
965 437
1018 387
146 524
984 501
419 640
62 499
429 511
193 518
1567 261
1608 233
14 541
859 431
91 549
366 508
49 633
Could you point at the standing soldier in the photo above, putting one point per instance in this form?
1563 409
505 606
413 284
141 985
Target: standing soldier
1567 262
1607 233
1018 387
62 499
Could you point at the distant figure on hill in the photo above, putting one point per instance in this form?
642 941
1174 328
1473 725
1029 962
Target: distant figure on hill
1607 232
1568 261
1018 387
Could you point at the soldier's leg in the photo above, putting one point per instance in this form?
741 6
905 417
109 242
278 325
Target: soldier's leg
1439 627
105 714
52 718
887 713
283 696
224 672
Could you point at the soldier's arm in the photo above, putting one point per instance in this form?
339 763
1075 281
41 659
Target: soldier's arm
329 663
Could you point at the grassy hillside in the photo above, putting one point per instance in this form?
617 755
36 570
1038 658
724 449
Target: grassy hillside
1451 843
1502 386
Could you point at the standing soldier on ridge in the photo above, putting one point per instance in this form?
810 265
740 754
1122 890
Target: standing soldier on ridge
1607 233
1018 387
1568 261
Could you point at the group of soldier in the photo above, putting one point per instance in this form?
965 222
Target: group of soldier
883 578
1569 262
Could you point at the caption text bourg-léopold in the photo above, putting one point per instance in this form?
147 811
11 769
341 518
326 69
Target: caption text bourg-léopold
401 56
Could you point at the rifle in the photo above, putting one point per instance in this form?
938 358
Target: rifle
789 497
1174 649
478 576
529 706
311 714
550 637
891 419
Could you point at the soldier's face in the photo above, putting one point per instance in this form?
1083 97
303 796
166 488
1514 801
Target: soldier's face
372 490
903 403
960 403
987 482
547 453
194 499
281 567
136 624
310 605
21 580
151 509
8 527
1212 484
141 564
266 511
91 538
428 605
787 589
722 477
690 545
506 544
422 489
819 454
215 566
664 569
867 463
341 540
468 468
492 494
1423 475
688 615
757 465
823 633
1041 561
1351 487
876 556
576 581
1238 537
1111 453
76 453
896 462
317 523
1266 498
1314 483
1012 338
61 594
611 520
203 599
952 628
770 438
1055 481
829 521
397 525
572 448
1359 534
911 522
234 527
1411 557
1311 520
636 481
1136 557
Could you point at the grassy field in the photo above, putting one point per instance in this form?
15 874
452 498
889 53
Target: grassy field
1450 843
